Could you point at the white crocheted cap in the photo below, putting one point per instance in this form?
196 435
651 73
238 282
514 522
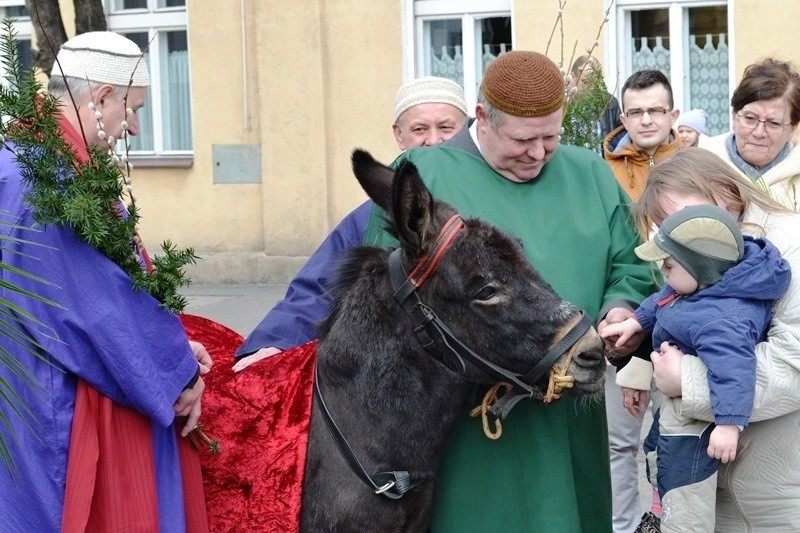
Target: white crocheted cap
429 90
103 57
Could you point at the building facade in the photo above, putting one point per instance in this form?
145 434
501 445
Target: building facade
257 104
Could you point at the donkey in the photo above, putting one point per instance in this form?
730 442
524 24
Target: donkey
383 402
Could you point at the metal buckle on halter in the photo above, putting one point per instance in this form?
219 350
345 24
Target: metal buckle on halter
388 485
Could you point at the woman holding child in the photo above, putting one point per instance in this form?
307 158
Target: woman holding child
760 489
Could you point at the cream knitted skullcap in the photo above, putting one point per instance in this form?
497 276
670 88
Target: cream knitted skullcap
103 57
429 90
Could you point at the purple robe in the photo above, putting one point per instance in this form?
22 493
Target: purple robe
119 340
292 321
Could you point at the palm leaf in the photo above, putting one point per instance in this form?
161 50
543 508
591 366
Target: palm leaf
14 324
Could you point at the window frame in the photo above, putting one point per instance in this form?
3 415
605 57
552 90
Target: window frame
23 26
416 12
154 20
619 30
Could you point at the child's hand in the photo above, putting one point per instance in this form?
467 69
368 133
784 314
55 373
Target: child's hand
617 334
615 347
723 441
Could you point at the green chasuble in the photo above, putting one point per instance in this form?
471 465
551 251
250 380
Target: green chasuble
549 472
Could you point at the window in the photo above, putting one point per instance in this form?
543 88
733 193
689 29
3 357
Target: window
457 39
689 42
159 28
15 9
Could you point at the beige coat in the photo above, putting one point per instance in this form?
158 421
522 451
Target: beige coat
760 490
782 179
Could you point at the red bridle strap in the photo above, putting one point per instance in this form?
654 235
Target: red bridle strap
427 264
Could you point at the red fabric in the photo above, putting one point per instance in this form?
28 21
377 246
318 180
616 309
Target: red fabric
73 137
111 482
194 501
260 417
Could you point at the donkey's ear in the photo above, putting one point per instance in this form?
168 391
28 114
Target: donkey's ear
412 210
375 178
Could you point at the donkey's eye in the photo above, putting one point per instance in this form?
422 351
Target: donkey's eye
486 293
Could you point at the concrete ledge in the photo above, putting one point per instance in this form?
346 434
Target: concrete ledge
244 268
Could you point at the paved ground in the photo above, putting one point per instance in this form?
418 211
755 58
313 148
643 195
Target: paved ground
241 308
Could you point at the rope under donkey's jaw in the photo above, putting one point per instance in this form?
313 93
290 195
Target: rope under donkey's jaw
557 382
559 378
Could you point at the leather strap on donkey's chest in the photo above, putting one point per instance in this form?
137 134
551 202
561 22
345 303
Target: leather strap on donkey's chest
392 484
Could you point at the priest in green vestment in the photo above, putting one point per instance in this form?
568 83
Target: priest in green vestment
549 472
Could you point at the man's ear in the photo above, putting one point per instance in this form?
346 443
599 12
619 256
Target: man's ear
674 116
480 113
103 92
396 131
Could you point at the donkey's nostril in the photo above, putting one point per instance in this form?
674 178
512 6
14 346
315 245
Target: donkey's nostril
592 355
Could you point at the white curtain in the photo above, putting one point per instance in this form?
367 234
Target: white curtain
446 66
175 102
655 58
708 80
143 141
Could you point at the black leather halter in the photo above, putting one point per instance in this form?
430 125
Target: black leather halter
437 339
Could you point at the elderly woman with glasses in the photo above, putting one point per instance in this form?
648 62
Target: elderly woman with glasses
766 111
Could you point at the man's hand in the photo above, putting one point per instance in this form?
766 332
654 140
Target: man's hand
722 443
263 353
667 370
203 358
635 401
188 405
615 316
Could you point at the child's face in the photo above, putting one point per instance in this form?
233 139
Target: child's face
688 136
678 277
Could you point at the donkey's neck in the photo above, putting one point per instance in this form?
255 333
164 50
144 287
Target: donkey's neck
394 403
408 401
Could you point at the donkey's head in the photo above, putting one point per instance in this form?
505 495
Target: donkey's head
470 290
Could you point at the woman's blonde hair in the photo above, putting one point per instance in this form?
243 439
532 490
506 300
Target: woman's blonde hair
697 172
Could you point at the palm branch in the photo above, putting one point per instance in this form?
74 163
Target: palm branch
14 324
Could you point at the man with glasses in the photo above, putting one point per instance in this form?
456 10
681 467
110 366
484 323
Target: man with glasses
646 135
644 139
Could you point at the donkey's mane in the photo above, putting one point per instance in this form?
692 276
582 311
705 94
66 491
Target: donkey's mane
347 274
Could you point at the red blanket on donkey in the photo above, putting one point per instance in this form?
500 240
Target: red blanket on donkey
260 418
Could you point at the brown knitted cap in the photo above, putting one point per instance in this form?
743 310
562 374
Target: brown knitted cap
524 84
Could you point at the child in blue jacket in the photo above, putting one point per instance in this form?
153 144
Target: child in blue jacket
717 304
